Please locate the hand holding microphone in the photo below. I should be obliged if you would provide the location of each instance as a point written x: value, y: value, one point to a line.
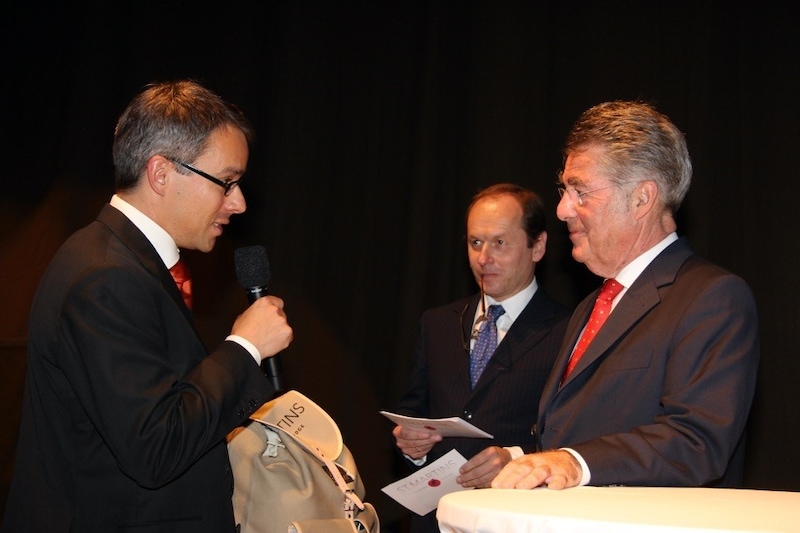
x: 264, y: 322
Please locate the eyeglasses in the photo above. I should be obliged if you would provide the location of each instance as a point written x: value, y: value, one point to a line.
x: 577, y: 197
x: 226, y: 185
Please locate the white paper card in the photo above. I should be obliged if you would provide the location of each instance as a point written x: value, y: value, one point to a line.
x: 446, y: 427
x: 420, y: 492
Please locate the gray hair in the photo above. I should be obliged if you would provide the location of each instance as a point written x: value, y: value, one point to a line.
x: 639, y: 143
x: 173, y: 119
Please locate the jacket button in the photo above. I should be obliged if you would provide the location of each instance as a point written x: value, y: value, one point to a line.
x: 468, y: 415
x: 534, y: 430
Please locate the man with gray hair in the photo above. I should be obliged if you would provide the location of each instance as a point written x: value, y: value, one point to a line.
x: 654, y: 386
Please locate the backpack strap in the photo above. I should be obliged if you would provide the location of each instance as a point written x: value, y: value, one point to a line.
x: 351, y: 499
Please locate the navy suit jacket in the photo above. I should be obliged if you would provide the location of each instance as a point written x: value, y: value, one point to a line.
x: 506, y: 398
x: 662, y: 394
x: 125, y: 412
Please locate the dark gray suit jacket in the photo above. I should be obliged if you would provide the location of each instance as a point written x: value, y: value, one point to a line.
x: 506, y: 398
x: 662, y: 395
x: 125, y: 412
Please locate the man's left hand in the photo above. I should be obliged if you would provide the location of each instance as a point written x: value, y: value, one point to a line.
x: 483, y: 467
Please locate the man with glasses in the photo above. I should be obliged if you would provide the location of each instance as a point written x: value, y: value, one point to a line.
x: 125, y: 411
x: 500, y: 391
x: 661, y: 393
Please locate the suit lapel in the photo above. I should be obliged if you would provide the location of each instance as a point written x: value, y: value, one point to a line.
x: 143, y: 250
x: 519, y: 340
x: 579, y: 318
x: 466, y: 315
x: 636, y: 302
x: 639, y: 299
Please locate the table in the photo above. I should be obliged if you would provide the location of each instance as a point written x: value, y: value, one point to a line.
x: 619, y: 510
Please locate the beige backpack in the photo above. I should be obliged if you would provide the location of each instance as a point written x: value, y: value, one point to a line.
x: 293, y: 473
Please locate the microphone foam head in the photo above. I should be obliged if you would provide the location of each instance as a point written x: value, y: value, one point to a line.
x: 252, y: 266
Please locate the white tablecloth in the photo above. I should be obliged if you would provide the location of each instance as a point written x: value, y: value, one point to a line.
x: 619, y: 510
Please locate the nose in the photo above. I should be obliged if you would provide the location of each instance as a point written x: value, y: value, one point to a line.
x: 235, y: 201
x: 485, y: 254
x: 565, y: 208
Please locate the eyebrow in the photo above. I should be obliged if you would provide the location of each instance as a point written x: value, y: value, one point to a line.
x: 572, y: 180
x: 231, y: 173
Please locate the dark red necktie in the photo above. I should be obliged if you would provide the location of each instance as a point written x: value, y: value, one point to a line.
x: 183, y: 279
x: 600, y: 312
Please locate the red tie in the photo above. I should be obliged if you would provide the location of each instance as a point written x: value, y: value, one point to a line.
x: 602, y: 308
x: 183, y: 279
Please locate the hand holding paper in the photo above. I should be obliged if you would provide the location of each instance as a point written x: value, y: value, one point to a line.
x: 413, y: 443
x: 420, y: 492
x: 446, y: 427
x: 481, y: 468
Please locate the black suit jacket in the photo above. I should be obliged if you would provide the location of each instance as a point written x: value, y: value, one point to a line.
x: 662, y: 394
x: 125, y: 412
x: 506, y: 398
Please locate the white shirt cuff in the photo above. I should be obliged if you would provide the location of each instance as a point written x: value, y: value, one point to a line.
x: 419, y: 462
x: 586, y: 476
x: 515, y: 451
x: 247, y: 345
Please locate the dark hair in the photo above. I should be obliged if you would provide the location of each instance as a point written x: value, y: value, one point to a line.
x: 640, y: 144
x: 534, y: 218
x: 173, y: 119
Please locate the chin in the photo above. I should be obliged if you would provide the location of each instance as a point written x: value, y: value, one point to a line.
x: 207, y: 247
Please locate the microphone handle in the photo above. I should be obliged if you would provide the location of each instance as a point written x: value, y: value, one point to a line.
x: 254, y: 293
x: 274, y: 371
x: 272, y: 365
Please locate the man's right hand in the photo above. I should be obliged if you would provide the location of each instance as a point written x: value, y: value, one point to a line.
x: 414, y: 444
x: 556, y: 469
x: 264, y: 324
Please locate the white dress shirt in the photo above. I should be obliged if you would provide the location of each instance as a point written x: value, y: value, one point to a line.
x: 169, y: 253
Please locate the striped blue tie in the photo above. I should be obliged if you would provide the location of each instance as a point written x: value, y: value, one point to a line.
x: 485, y: 343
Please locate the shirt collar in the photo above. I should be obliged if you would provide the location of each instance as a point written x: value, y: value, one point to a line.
x: 515, y: 304
x: 158, y: 236
x: 634, y: 269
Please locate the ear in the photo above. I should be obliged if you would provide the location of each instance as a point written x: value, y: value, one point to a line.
x: 644, y: 198
x: 157, y: 173
x: 539, y: 246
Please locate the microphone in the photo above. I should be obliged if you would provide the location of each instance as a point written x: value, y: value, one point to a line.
x: 252, y: 272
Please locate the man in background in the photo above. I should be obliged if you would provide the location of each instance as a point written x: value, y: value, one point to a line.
x: 661, y: 394
x: 125, y: 410
x: 498, y: 392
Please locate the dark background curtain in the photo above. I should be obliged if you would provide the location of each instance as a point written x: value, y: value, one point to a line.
x: 377, y: 122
